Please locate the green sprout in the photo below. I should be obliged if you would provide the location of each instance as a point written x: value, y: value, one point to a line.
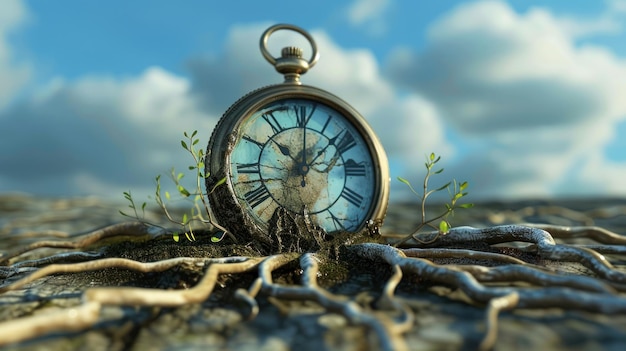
x: 199, y: 215
x: 456, y: 191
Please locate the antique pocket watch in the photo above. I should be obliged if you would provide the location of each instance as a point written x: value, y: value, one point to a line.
x: 296, y: 151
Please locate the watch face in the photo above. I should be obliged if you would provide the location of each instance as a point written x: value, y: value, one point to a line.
x: 303, y: 156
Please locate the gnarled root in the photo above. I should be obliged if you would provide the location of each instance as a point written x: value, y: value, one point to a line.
x: 85, y: 315
x: 565, y: 291
x: 504, y: 283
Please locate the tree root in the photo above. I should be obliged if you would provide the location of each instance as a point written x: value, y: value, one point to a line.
x: 127, y: 228
x: 506, y: 283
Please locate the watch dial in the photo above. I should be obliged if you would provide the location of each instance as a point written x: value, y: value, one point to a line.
x: 303, y: 155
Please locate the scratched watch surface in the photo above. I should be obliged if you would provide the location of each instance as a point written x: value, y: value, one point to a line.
x: 303, y: 156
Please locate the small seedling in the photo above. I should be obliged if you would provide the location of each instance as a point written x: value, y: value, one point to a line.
x: 199, y: 215
x: 456, y: 191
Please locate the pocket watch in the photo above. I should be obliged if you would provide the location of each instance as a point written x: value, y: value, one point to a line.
x: 297, y: 151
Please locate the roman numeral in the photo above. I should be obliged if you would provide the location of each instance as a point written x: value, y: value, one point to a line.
x: 245, y: 137
x: 257, y: 196
x: 301, y: 116
x: 354, y: 169
x: 248, y: 168
x: 271, y: 120
x: 352, y: 196
x: 325, y: 125
x: 345, y: 143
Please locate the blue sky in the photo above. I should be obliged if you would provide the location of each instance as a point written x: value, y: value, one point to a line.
x: 523, y: 99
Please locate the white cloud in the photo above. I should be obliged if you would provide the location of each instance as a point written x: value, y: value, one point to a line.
x: 14, y: 76
x: 98, y: 135
x: 101, y: 135
x: 534, y: 109
x: 369, y: 14
x: 610, y: 22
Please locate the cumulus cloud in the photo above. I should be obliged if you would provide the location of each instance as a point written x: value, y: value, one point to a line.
x: 98, y: 135
x: 102, y: 135
x: 534, y: 109
x: 14, y: 75
x: 531, y: 110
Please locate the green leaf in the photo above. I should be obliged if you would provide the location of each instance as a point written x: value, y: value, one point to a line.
x: 404, y: 181
x: 444, y: 226
x: 439, y: 171
x: 194, y: 133
x: 176, y: 237
x: 179, y: 177
x: 184, y: 144
x: 463, y: 186
x: 220, y: 182
x: 432, y: 156
x: 443, y: 187
x: 167, y: 195
x: 185, y: 218
x: 143, y: 206
x: 195, y: 142
x: 184, y: 192
x: 466, y: 205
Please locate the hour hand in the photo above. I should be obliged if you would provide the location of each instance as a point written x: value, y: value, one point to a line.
x: 283, y: 149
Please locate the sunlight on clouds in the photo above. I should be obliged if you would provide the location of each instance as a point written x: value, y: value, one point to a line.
x: 531, y: 108
x: 138, y: 120
x: 541, y: 104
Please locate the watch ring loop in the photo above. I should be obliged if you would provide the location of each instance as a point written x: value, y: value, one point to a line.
x: 266, y: 35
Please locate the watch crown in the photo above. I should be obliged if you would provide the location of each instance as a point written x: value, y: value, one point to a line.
x: 291, y: 64
x: 291, y: 51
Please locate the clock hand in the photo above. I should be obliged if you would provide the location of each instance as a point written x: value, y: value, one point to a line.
x: 283, y: 149
x: 303, y: 168
x: 304, y: 146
